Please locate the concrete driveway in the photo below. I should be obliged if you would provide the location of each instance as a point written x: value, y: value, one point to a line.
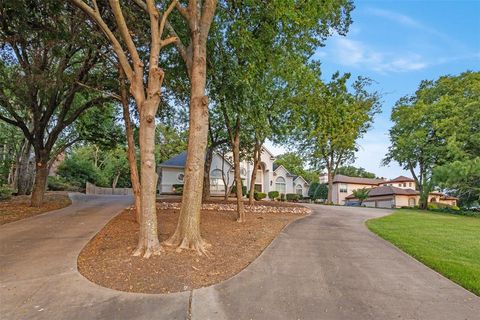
x: 325, y: 266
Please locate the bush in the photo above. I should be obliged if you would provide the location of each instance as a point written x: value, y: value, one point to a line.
x: 244, y: 190
x: 59, y: 184
x: 5, y: 192
x: 282, y: 196
x: 432, y: 206
x: 273, y: 195
x: 455, y: 208
x: 178, y: 188
x: 259, y: 195
x: 318, y: 191
x: 292, y: 197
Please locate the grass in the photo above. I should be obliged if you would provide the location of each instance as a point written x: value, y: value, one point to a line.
x: 447, y: 243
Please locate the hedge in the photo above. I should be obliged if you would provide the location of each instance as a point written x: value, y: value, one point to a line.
x: 259, y: 195
x: 273, y: 194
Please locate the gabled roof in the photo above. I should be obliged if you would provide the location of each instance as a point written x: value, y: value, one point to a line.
x: 177, y: 162
x: 269, y: 152
x: 387, y: 191
x: 339, y: 178
x: 400, y: 179
x: 295, y: 178
x: 180, y: 160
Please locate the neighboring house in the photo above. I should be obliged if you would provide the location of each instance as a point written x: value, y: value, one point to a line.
x: 270, y: 177
x: 345, y: 185
x: 396, y: 193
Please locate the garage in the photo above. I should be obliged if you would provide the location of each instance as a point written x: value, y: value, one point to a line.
x: 384, y: 203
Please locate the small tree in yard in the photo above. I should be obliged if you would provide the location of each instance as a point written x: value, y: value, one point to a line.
x: 333, y: 120
x: 361, y: 194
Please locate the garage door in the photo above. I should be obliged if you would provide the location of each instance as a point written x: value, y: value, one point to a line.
x: 384, y: 204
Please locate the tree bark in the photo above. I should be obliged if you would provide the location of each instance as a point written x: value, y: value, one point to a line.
x: 132, y: 158
x: 330, y: 186
x: 206, y: 177
x: 257, y: 152
x: 187, y: 234
x: 41, y: 175
x: 23, y: 176
x: 238, y: 178
x: 148, y: 243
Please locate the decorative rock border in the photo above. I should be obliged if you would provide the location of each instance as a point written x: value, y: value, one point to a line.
x: 233, y: 207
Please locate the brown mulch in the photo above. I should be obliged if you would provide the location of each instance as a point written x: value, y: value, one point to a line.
x: 18, y: 207
x: 107, y: 259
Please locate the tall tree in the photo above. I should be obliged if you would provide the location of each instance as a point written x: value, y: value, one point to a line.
x: 252, y: 39
x: 145, y: 89
x: 46, y: 73
x: 333, y: 120
x: 198, y: 17
x: 438, y: 124
x: 295, y: 164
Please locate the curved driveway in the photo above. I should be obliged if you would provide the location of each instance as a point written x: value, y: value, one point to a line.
x: 325, y: 266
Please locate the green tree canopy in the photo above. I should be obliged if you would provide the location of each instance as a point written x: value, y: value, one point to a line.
x: 440, y: 123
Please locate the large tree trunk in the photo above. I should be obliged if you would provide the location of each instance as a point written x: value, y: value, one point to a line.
x: 148, y: 242
x: 256, y: 160
x: 41, y: 175
x: 187, y: 234
x: 238, y: 178
x: 23, y: 176
x: 206, y: 177
x: 132, y: 158
x: 330, y: 186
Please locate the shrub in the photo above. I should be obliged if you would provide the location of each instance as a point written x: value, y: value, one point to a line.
x: 282, y: 196
x: 259, y: 195
x: 455, y: 208
x: 318, y: 191
x: 178, y: 188
x: 5, y: 192
x: 273, y: 195
x: 292, y: 197
x: 59, y: 184
x: 244, y: 190
x: 432, y: 206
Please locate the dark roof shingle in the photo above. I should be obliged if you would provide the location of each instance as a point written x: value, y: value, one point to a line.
x: 339, y: 178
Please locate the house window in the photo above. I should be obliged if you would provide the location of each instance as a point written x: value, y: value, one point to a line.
x: 280, y: 185
x: 343, y: 188
x: 216, y: 181
x: 299, y: 189
x: 180, y: 177
x: 410, y: 184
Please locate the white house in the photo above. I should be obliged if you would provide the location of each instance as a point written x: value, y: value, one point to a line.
x: 269, y: 178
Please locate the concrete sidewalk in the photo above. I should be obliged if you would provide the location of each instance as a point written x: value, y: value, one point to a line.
x: 325, y: 266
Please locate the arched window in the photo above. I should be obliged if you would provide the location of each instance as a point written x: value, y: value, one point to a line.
x: 280, y: 185
x: 216, y: 181
x: 433, y: 199
x: 299, y: 189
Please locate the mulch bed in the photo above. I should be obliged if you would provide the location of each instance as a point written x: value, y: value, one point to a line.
x: 18, y: 207
x: 107, y: 259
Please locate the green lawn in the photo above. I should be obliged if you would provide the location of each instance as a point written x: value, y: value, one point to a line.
x: 446, y: 243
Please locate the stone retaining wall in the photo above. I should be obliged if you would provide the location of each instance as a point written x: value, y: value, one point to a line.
x: 248, y: 208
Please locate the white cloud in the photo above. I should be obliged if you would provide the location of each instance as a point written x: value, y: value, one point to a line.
x: 355, y: 53
x: 396, y: 17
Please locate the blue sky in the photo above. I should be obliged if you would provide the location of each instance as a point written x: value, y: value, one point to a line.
x: 398, y: 44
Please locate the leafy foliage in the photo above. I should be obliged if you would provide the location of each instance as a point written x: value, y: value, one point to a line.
x: 352, y: 171
x: 259, y: 195
x: 295, y: 165
x: 318, y: 191
x: 273, y: 195
x: 5, y: 192
x: 437, y: 125
x: 361, y: 194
